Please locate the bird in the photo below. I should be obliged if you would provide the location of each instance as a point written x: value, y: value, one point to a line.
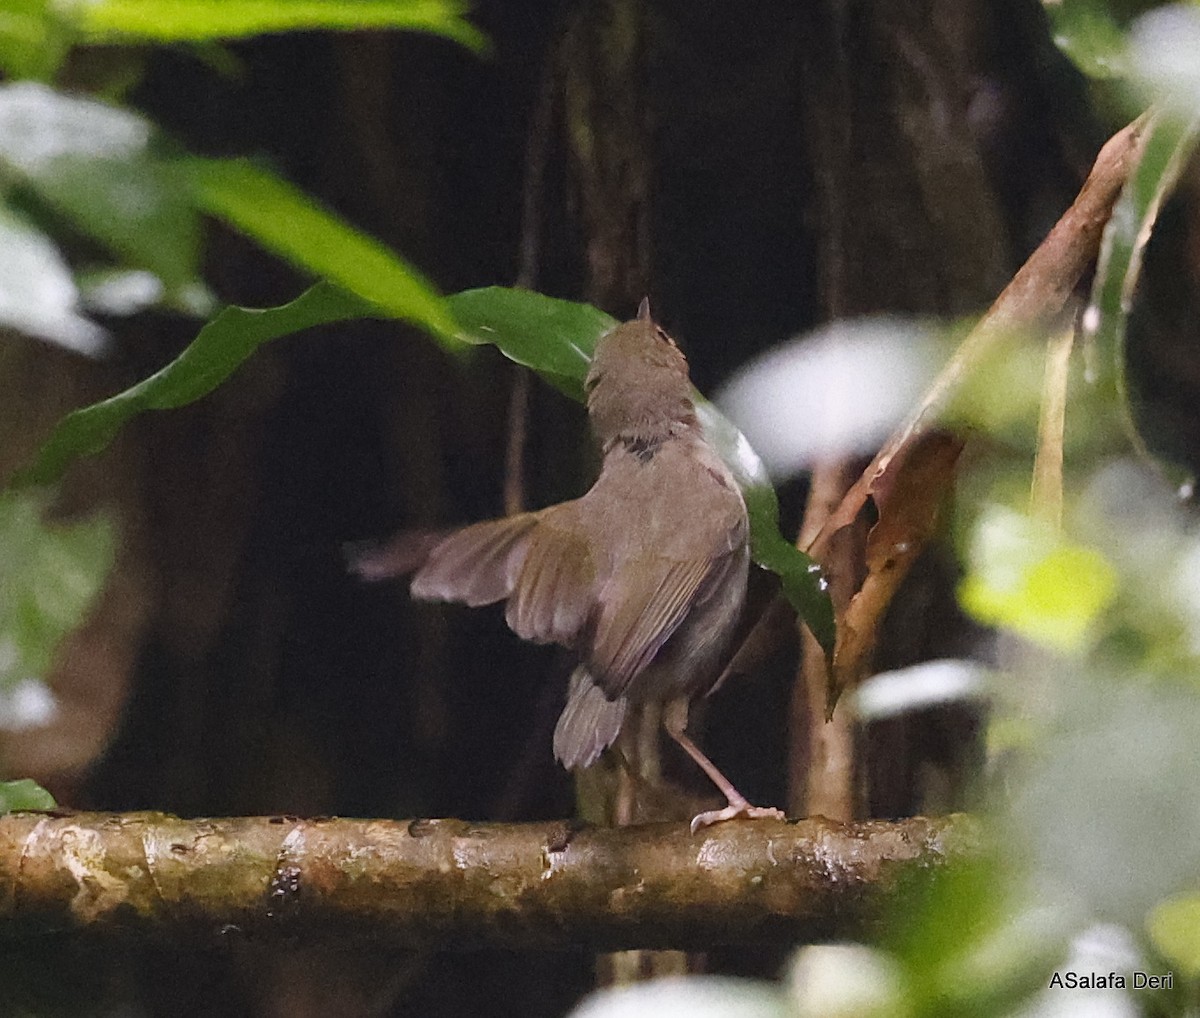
x: 643, y: 578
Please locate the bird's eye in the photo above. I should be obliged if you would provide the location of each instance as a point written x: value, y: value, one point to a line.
x: 661, y: 334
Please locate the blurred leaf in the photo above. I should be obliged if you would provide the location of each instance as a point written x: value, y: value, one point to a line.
x: 687, y: 997
x: 1086, y: 31
x: 24, y: 794
x: 48, y: 577
x: 37, y: 294
x: 1104, y: 809
x: 33, y: 42
x: 846, y: 981
x: 833, y: 393
x: 216, y: 352
x: 99, y: 166
x: 1174, y: 928
x: 183, y: 20
x: 291, y: 224
x: 1022, y: 576
x: 1168, y: 146
x: 26, y: 703
x: 121, y: 292
x: 967, y: 946
x: 1165, y: 57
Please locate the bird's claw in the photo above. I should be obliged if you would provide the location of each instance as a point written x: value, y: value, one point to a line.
x: 734, y: 811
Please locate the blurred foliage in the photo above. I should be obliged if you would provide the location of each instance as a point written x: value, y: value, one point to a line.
x: 48, y: 576
x: 24, y: 794
x: 76, y: 164
x: 1024, y: 577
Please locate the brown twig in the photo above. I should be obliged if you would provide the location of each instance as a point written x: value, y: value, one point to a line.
x: 821, y: 775
x: 1046, y: 490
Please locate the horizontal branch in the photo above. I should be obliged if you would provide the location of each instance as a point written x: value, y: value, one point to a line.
x: 449, y: 884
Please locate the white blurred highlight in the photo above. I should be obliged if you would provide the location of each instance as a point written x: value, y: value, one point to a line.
x: 1165, y: 48
x: 835, y: 392
x: 919, y: 687
x: 844, y: 981
x: 28, y: 703
x: 37, y: 292
x: 687, y: 997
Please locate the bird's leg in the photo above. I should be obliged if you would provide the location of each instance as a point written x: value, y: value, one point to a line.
x: 675, y: 721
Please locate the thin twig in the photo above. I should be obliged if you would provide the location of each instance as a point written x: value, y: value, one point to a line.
x: 1046, y: 490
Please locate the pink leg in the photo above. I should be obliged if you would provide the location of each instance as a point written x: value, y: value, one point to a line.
x: 738, y: 806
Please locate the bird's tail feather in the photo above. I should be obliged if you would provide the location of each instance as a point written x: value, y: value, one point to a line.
x: 589, y: 724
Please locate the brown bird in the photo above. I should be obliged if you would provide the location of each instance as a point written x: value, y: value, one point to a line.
x: 643, y: 577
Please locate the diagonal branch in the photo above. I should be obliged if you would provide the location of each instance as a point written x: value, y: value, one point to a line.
x: 449, y: 884
x: 1038, y: 292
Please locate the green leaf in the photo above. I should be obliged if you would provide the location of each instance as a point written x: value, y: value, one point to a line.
x: 1174, y: 928
x: 48, y: 577
x: 553, y: 337
x: 101, y: 168
x: 24, y: 794
x: 183, y: 20
x: 1169, y: 143
x: 1089, y: 35
x: 33, y: 42
x: 1023, y: 576
x: 219, y: 349
x: 292, y: 225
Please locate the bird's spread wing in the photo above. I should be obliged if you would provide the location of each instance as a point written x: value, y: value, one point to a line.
x: 477, y: 565
x: 630, y: 632
x: 554, y: 596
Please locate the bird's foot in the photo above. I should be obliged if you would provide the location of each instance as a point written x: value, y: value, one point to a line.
x: 735, y: 810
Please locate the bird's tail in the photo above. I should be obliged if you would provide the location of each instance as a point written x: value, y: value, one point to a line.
x: 589, y: 724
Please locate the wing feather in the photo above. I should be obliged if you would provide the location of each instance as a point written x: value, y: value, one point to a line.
x: 630, y: 633
x: 554, y: 596
x: 477, y: 565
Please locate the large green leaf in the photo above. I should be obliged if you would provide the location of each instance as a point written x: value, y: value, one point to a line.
x: 221, y: 346
x: 183, y: 20
x: 292, y: 225
x: 553, y: 337
x: 103, y: 169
